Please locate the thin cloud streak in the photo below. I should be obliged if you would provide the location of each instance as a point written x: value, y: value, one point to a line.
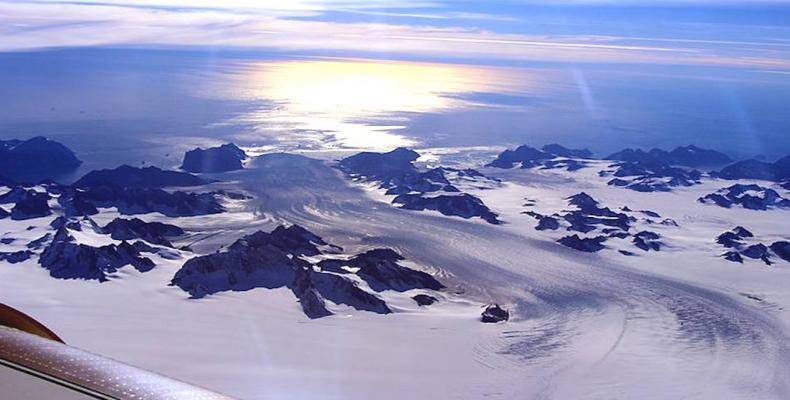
x: 435, y: 15
x: 545, y: 44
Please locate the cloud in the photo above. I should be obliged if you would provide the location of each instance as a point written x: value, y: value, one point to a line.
x: 269, y: 24
x: 290, y: 7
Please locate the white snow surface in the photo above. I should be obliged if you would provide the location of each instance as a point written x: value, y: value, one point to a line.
x: 679, y: 323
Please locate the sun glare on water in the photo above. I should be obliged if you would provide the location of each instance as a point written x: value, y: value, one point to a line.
x: 354, y: 104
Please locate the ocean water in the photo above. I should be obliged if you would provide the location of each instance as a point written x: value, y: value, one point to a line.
x: 117, y: 106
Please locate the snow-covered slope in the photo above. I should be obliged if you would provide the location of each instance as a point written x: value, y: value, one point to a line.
x: 680, y: 322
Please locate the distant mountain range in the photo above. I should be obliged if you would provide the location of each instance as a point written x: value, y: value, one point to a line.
x: 133, y: 177
x: 687, y: 156
x: 647, y: 171
x: 227, y: 157
x: 754, y: 169
x: 35, y: 159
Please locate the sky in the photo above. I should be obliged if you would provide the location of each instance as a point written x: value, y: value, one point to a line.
x: 682, y: 32
x: 369, y: 74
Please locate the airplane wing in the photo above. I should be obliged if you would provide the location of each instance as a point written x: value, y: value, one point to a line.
x: 35, y: 364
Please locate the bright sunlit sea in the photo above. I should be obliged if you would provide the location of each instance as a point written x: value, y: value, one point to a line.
x: 116, y: 106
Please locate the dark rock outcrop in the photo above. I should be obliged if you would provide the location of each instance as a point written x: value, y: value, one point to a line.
x: 567, y: 164
x: 616, y: 233
x: 734, y: 240
x: 381, y: 166
x: 462, y: 205
x: 39, y: 243
x: 493, y: 314
x: 415, y: 189
x: 132, y: 177
x: 311, y: 288
x: 76, y: 202
x: 639, y: 156
x: 546, y: 158
x: 547, y: 223
x: 755, y: 169
x: 227, y: 157
x: 66, y: 259
x: 17, y: 193
x: 742, y: 232
x: 291, y: 240
x: 433, y: 180
x: 753, y: 197
x: 589, y: 215
x: 134, y: 191
x: 35, y: 159
x: 693, y: 156
x: 525, y: 155
x: 131, y: 201
x: 757, y: 251
x: 16, y: 256
x: 583, y: 201
x: 152, y: 232
x: 380, y: 269
x: 589, y: 245
x: 586, y: 215
x: 650, y: 213
x: 313, y: 304
x: 650, y: 176
x: 656, y: 171
x: 781, y: 249
x: 733, y: 256
x: 69, y: 223
x: 562, y: 151
x: 688, y: 156
x: 32, y: 205
x: 729, y: 240
x: 647, y: 240
x: 243, y: 267
x: 340, y: 290
x: 232, y: 195
x: 277, y: 259
x: 424, y: 300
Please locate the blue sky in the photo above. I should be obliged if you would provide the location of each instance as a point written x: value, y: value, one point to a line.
x: 706, y: 33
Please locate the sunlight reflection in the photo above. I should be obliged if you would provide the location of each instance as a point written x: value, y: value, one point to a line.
x: 355, y: 104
